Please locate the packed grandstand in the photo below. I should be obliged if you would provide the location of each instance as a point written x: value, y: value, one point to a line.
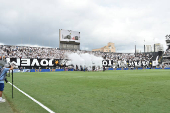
x: 9, y: 51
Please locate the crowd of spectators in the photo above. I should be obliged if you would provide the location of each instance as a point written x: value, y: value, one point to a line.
x: 54, y: 53
x: 8, y: 51
x: 30, y: 52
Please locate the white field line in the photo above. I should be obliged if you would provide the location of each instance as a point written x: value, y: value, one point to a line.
x: 46, y: 108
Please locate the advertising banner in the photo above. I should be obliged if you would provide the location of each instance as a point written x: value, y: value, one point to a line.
x: 22, y: 62
x: 25, y: 62
x: 109, y: 63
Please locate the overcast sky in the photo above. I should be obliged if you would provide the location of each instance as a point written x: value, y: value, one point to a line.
x: 37, y: 22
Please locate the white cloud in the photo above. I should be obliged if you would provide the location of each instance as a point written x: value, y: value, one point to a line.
x: 121, y: 22
x: 1, y: 43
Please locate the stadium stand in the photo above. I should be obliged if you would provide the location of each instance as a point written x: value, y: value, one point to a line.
x: 7, y: 51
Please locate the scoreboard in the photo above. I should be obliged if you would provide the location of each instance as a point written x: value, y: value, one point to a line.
x: 69, y: 39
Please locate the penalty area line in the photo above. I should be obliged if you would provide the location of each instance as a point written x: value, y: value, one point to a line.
x: 43, y: 106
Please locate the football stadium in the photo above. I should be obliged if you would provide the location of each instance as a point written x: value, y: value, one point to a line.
x: 84, y: 56
x: 70, y: 80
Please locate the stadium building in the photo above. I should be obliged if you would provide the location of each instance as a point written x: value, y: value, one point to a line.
x: 109, y: 48
x: 158, y: 47
x: 148, y: 48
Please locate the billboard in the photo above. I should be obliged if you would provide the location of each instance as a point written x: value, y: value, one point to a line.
x: 69, y: 36
x: 145, y: 64
x: 29, y: 63
x: 26, y: 62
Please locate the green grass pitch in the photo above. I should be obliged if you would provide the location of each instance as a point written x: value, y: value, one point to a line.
x: 124, y: 91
